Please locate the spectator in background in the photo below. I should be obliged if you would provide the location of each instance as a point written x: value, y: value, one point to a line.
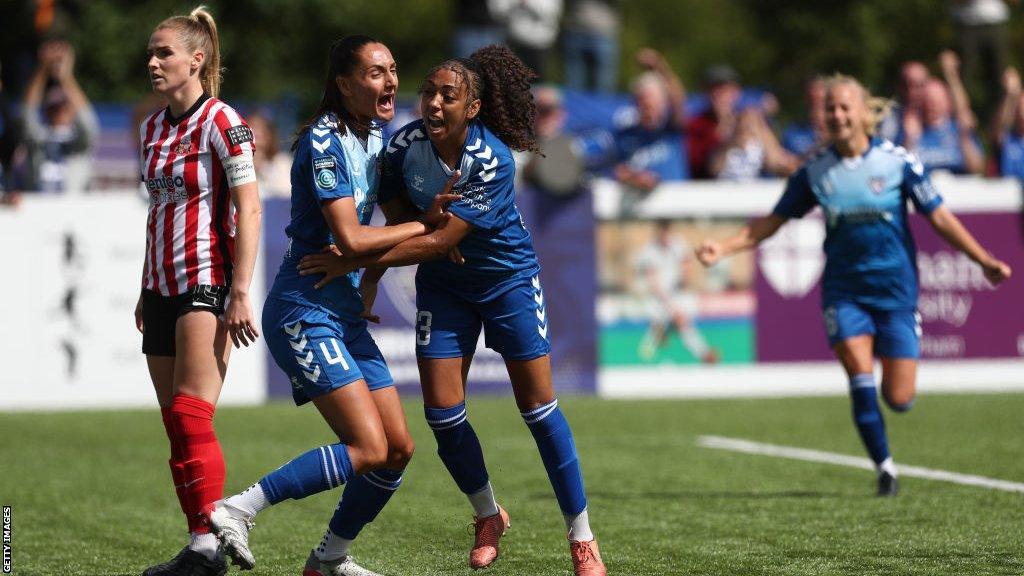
x: 653, y: 151
x: 945, y: 137
x: 981, y: 30
x: 803, y: 140
x: 751, y: 151
x: 1008, y: 126
x: 590, y: 43
x: 273, y: 167
x: 914, y: 76
x: 531, y: 29
x: 9, y: 141
x: 475, y: 27
x: 710, y: 129
x: 60, y: 126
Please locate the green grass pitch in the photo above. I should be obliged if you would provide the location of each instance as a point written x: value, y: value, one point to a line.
x: 91, y: 493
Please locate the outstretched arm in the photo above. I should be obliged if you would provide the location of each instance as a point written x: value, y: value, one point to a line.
x: 431, y: 246
x: 953, y: 232
x: 749, y: 237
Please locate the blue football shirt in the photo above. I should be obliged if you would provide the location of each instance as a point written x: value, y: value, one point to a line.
x: 869, y: 251
x: 327, y: 165
x: 499, y: 245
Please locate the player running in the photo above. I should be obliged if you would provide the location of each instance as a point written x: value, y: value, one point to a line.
x: 319, y: 337
x: 869, y: 290
x: 202, y: 236
x: 473, y: 110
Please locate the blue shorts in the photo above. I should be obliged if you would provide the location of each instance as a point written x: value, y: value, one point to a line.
x: 897, y: 332
x: 512, y: 313
x: 319, y: 352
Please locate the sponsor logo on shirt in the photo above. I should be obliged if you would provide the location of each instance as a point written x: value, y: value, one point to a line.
x: 323, y: 172
x: 238, y: 135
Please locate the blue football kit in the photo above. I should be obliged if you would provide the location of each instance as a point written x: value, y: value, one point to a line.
x: 498, y: 287
x: 317, y: 336
x: 870, y: 282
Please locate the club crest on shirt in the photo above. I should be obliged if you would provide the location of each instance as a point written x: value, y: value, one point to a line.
x: 877, y: 184
x: 183, y: 147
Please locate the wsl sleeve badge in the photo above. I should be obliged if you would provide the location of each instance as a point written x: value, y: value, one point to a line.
x: 324, y: 172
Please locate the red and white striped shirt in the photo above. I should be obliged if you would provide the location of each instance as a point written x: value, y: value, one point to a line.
x: 190, y: 232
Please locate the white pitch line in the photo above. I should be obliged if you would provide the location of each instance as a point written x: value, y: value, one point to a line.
x: 750, y: 447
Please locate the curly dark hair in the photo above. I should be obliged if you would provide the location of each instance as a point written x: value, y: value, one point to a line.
x: 501, y: 81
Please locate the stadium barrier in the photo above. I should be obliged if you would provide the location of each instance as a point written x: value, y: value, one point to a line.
x: 71, y: 271
x: 763, y: 312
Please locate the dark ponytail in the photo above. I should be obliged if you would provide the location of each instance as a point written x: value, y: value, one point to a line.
x: 501, y: 81
x: 342, y: 59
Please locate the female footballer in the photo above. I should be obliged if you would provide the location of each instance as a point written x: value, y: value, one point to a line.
x: 473, y: 111
x: 319, y: 338
x: 869, y: 287
x: 201, y: 241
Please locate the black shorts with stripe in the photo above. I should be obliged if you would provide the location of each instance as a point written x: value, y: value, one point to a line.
x: 160, y: 315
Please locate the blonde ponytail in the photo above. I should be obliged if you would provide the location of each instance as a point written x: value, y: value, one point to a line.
x: 198, y: 31
x: 877, y: 108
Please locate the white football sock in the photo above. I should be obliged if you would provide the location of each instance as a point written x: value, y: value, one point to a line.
x: 483, y: 502
x: 578, y: 526
x: 251, y: 501
x: 206, y: 544
x: 332, y: 547
x: 889, y: 466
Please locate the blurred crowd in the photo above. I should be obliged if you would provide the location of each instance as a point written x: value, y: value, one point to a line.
x: 961, y: 112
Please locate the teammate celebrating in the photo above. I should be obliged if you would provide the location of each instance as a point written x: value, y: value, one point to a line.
x: 473, y: 110
x: 869, y: 290
x: 319, y: 337
x: 201, y: 241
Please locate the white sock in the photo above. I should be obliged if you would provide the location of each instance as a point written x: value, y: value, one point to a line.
x: 483, y: 502
x: 251, y: 501
x: 578, y: 526
x: 206, y: 544
x: 889, y: 466
x: 332, y: 547
x: 694, y: 342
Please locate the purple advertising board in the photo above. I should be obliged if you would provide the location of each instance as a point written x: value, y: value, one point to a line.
x: 563, y: 232
x: 962, y: 315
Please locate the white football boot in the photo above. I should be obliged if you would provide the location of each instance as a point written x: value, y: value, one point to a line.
x: 344, y: 566
x: 232, y: 526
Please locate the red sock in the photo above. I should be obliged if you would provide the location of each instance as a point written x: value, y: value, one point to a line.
x: 175, y: 463
x: 202, y: 460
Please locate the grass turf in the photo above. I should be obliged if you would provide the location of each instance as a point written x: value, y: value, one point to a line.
x: 91, y: 492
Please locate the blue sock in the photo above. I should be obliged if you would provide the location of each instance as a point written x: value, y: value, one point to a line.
x: 319, y: 469
x: 458, y: 447
x: 558, y: 451
x: 364, y: 498
x: 868, y: 417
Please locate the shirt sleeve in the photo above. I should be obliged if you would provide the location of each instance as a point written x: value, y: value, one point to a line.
x: 231, y: 136
x: 798, y: 198
x: 328, y: 173
x: 918, y: 187
x: 487, y: 193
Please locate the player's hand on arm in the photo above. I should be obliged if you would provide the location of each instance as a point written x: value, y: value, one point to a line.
x: 956, y: 235
x: 329, y: 264
x: 438, y: 214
